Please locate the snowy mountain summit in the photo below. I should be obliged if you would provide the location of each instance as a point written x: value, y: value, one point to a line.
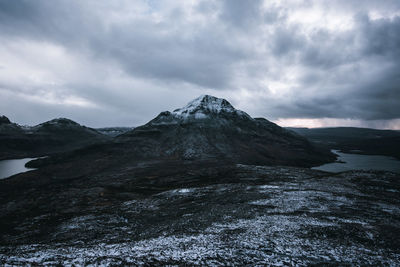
x: 206, y: 104
x: 204, y: 107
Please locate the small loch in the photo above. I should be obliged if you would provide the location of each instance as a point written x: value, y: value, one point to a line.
x: 11, y: 167
x: 349, y: 162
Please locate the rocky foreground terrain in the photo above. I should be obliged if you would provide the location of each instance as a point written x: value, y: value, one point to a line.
x: 203, y: 215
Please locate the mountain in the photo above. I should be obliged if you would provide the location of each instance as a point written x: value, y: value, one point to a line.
x: 53, y: 136
x: 209, y: 128
x: 65, y: 127
x: 355, y: 140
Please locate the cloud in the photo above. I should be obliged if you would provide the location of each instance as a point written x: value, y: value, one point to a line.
x: 132, y: 59
x: 242, y: 14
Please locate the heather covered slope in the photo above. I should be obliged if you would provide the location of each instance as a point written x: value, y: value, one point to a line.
x: 211, y: 128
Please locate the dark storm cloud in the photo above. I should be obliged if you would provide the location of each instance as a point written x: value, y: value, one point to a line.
x: 325, y: 49
x: 381, y: 37
x: 286, y: 41
x: 118, y: 55
x: 59, y: 20
x: 202, y: 61
x: 354, y: 74
x: 142, y: 47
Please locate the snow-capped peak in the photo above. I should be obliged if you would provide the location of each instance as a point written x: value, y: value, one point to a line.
x: 205, y: 104
x: 201, y: 108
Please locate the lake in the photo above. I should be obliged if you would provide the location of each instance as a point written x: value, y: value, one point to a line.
x: 13, y: 166
x: 361, y: 162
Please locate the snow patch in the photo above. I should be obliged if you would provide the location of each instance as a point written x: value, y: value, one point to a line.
x: 198, y: 108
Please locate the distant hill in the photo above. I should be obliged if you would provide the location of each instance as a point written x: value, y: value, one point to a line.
x: 355, y: 140
x: 53, y: 136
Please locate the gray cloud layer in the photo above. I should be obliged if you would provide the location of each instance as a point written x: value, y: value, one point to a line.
x: 121, y: 62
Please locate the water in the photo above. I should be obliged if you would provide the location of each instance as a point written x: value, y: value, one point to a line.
x: 13, y: 166
x: 361, y: 162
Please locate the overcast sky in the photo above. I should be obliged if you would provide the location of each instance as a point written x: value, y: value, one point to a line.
x: 120, y: 63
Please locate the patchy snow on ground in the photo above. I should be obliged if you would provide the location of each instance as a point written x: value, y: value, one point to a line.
x: 296, y: 220
x: 271, y: 240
